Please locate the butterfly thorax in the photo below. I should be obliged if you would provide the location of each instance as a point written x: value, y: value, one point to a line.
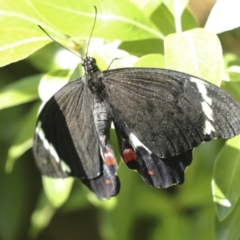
x: 100, y: 109
x: 93, y: 77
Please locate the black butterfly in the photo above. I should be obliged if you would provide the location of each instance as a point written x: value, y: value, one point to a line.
x: 159, y: 116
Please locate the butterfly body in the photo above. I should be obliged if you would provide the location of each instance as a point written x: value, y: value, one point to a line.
x: 159, y: 116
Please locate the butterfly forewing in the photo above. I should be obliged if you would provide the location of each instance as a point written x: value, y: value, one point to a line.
x: 168, y: 111
x: 66, y: 142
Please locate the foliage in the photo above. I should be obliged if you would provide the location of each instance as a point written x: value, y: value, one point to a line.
x: 153, y: 34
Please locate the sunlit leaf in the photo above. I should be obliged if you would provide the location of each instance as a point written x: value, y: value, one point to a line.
x: 143, y: 47
x: 197, y: 52
x: 119, y: 22
x: 21, y: 36
x: 147, y: 6
x: 57, y: 190
x: 52, y: 82
x: 110, y: 57
x: 151, y: 60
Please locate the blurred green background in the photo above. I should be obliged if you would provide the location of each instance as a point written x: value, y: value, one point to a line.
x: 167, y: 34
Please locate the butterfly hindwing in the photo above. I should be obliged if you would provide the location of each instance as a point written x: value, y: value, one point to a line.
x: 170, y: 112
x: 155, y: 171
x: 106, y: 185
x: 162, y: 172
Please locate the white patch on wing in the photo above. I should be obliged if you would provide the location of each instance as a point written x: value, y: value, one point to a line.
x: 202, y: 89
x: 53, y: 152
x: 206, y: 105
x: 208, y: 128
x: 41, y: 135
x: 48, y: 146
x: 65, y: 167
x: 207, y: 99
x: 200, y: 85
x: 207, y: 110
x: 135, y: 142
x: 38, y: 127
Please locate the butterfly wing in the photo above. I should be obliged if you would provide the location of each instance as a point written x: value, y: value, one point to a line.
x: 106, y: 185
x: 168, y: 111
x: 160, y: 115
x: 155, y: 171
x: 65, y: 133
x: 66, y: 142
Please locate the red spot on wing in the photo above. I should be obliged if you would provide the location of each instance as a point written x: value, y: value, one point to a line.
x: 109, y: 158
x: 108, y: 181
x: 150, y: 173
x: 129, y: 155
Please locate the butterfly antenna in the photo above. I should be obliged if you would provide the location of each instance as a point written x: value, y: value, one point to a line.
x: 58, y: 42
x: 94, y: 23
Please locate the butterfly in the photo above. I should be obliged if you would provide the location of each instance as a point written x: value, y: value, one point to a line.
x: 159, y: 116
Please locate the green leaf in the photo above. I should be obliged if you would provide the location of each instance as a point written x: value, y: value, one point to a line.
x: 143, y: 47
x: 52, y: 82
x: 232, y: 76
x: 20, y: 35
x: 234, y: 73
x: 176, y: 7
x: 19, y: 191
x: 21, y: 91
x: 227, y: 178
x: 41, y: 216
x: 188, y: 20
x: 148, y: 7
x: 166, y: 23
x: 23, y: 140
x: 233, y: 88
x: 193, y: 52
x: 151, y: 60
x: 19, y: 44
x: 110, y: 57
x: 230, y: 59
x: 76, y: 19
x: 15, y: 151
x: 57, y: 190
x: 53, y: 57
x: 229, y: 228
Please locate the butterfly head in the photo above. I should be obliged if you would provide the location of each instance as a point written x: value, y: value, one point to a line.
x: 90, y: 65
